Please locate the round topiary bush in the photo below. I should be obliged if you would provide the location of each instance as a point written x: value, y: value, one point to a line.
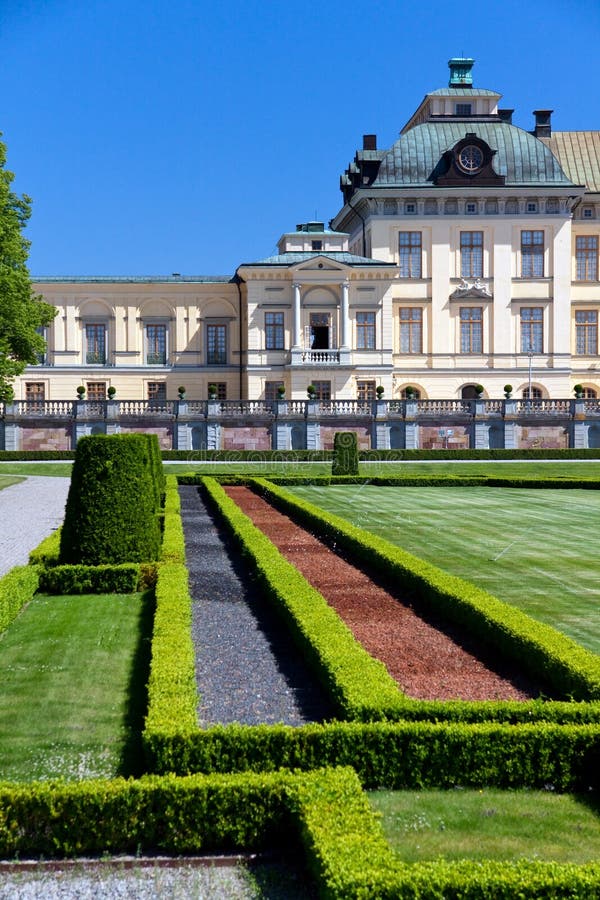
x: 112, y: 509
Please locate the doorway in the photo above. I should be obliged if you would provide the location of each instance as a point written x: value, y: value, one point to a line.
x: 320, y: 324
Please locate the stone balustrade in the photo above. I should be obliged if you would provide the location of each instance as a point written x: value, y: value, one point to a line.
x: 307, y: 424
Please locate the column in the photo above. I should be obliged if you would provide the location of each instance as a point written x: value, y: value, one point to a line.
x: 297, y: 343
x: 345, y: 345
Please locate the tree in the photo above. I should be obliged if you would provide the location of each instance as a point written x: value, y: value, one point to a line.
x: 22, y: 313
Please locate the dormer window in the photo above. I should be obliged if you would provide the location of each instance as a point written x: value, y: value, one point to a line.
x: 463, y: 109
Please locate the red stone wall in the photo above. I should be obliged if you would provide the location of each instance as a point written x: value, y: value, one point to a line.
x: 164, y: 434
x: 240, y: 438
x: 429, y: 438
x: 329, y: 431
x: 46, y: 438
x: 547, y: 437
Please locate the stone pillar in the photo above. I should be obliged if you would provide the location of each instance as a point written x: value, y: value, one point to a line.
x: 580, y: 439
x: 345, y: 316
x: 12, y: 436
x: 297, y: 335
x: 313, y: 427
x: 482, y: 427
x: 510, y: 425
x: 411, y: 430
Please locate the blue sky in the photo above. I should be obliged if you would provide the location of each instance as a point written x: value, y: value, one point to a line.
x: 186, y: 137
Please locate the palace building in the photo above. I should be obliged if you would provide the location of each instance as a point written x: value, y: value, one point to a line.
x: 464, y: 256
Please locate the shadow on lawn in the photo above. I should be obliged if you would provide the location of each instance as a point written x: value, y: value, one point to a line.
x: 132, y: 757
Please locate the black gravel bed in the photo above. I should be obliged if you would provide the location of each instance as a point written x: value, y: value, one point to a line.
x: 248, y: 669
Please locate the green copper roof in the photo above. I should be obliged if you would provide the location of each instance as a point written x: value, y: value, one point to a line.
x: 578, y: 152
x: 521, y: 158
x: 292, y: 258
x: 462, y: 92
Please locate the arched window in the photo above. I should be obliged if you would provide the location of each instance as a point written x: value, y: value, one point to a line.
x: 590, y: 394
x: 469, y: 392
x: 536, y: 393
x: 414, y: 395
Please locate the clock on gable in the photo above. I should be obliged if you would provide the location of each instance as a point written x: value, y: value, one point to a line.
x: 470, y: 160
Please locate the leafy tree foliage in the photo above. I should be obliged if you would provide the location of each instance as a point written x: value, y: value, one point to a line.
x: 22, y: 313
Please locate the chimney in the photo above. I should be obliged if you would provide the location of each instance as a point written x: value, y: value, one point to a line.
x: 543, y: 125
x: 505, y: 115
x: 369, y: 142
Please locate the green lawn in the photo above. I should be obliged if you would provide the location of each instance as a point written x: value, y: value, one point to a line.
x: 518, y: 469
x: 489, y: 824
x: 536, y: 549
x: 7, y: 480
x: 73, y: 671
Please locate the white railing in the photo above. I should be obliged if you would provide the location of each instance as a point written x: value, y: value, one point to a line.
x: 321, y: 357
x: 345, y: 408
x: 544, y: 407
x: 42, y: 407
x: 247, y: 408
x: 146, y: 407
x: 445, y: 407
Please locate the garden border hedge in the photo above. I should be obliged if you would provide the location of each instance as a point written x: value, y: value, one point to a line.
x: 326, y: 814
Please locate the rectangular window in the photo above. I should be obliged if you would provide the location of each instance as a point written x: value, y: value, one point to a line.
x: 216, y: 345
x: 220, y: 388
x: 586, y: 256
x: 532, y: 329
x: 366, y: 391
x: 411, y: 330
x: 471, y: 329
x: 42, y: 358
x: 586, y: 332
x: 322, y: 390
x: 532, y: 254
x: 274, y: 336
x: 365, y: 330
x: 462, y: 109
x: 35, y: 391
x: 471, y: 254
x: 157, y: 390
x: 156, y: 345
x: 95, y: 344
x: 410, y: 251
x: 271, y: 390
x: 96, y: 390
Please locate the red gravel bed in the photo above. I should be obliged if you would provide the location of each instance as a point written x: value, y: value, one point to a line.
x: 426, y: 661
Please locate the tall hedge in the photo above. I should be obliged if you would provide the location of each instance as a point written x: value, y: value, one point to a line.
x: 345, y: 453
x: 112, y: 507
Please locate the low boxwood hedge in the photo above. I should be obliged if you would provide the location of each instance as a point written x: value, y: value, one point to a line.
x: 173, y: 540
x: 172, y: 693
x: 17, y: 588
x: 120, y: 579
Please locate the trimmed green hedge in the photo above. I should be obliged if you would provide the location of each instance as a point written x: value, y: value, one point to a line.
x: 112, y: 508
x: 173, y: 542
x: 415, y: 481
x: 545, y: 653
x: 121, y: 579
x: 175, y: 815
x: 47, y: 552
x: 396, y: 754
x: 345, y: 453
x: 325, y: 814
x: 17, y: 588
x: 172, y: 693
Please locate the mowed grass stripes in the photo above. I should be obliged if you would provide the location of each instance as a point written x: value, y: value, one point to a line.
x: 536, y: 549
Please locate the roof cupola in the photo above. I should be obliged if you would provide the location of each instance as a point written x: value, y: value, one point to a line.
x: 460, y: 72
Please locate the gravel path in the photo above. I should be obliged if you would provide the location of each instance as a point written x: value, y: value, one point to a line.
x: 28, y: 512
x: 247, y: 668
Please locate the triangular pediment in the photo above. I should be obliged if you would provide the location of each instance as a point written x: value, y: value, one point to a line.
x: 321, y: 264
